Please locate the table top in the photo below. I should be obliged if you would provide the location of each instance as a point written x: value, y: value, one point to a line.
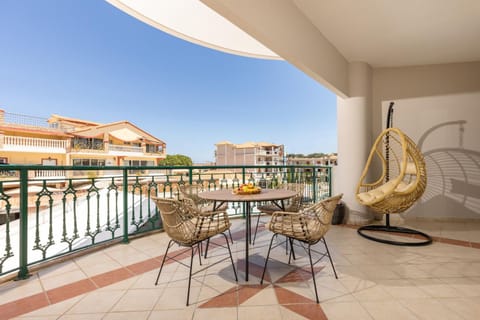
x: 265, y: 195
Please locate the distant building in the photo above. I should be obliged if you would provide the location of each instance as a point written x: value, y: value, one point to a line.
x: 249, y: 153
x: 327, y: 160
x: 67, y: 141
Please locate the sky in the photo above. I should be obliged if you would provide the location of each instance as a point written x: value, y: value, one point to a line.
x: 88, y: 60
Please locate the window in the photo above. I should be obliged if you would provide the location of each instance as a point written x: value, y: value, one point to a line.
x: 88, y: 143
x: 138, y: 163
x: 151, y: 148
x: 89, y: 162
x: 3, y: 160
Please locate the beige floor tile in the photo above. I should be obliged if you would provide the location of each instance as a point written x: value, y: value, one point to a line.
x: 259, y: 312
x: 56, y: 269
x: 137, y: 300
x: 265, y: 297
x: 85, y: 316
x: 468, y: 308
x: 58, y: 280
x: 90, y: 266
x: 125, y: 255
x: 390, y: 310
x: 376, y: 272
x: 403, y: 289
x: 176, y: 298
x: 14, y: 290
x: 353, y: 284
x: 430, y: 309
x: 97, y: 302
x: 37, y: 317
x: 147, y: 280
x: 468, y: 287
x: 287, y: 314
x: 345, y: 311
x: 215, y: 313
x: 471, y: 269
x: 208, y: 292
x: 436, y: 288
x: 177, y: 314
x: 376, y: 293
x: 135, y: 315
x: 409, y: 271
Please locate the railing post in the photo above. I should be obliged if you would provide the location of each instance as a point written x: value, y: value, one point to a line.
x: 23, y: 234
x: 125, y: 205
x: 314, y: 184
x: 244, y: 203
x: 190, y: 175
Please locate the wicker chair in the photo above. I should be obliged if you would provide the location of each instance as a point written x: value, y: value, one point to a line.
x: 191, y: 191
x: 188, y: 228
x: 204, y: 206
x: 402, y: 181
x: 294, y: 204
x: 308, y: 227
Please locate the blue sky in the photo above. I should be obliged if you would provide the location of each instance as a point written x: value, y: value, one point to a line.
x: 88, y: 60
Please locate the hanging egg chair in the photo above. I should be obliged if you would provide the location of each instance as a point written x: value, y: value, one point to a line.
x: 400, y: 178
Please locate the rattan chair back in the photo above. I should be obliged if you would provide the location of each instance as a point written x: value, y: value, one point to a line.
x: 309, y: 225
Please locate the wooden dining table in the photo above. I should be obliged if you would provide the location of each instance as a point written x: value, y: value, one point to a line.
x: 219, y: 197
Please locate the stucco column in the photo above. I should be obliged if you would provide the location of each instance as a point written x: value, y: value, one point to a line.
x: 354, y: 139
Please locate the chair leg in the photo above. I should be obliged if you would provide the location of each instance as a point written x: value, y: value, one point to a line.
x: 256, y: 228
x: 329, y: 257
x: 200, y: 252
x: 230, y: 234
x: 266, y: 260
x: 163, y: 260
x: 206, y: 248
x: 231, y: 257
x: 313, y: 273
x: 190, y: 274
x: 292, y: 252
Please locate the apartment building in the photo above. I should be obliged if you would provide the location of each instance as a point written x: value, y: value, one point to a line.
x: 60, y: 140
x: 327, y: 160
x: 250, y: 154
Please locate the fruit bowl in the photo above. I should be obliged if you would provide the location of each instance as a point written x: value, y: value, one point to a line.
x: 247, y: 189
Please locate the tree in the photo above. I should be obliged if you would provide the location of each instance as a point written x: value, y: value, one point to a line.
x: 176, y: 160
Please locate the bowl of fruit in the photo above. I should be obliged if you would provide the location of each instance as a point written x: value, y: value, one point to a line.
x: 247, y: 188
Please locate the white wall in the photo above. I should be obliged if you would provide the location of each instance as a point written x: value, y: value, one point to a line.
x: 439, y: 108
x: 447, y: 129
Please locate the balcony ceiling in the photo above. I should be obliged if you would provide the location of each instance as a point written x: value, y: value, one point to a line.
x: 399, y: 33
x: 322, y: 37
x: 386, y: 33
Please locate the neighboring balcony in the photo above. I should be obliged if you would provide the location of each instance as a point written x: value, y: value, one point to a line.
x: 115, y: 149
x: 121, y: 150
x: 26, y: 144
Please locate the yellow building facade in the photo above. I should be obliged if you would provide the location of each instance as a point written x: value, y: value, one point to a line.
x: 67, y: 141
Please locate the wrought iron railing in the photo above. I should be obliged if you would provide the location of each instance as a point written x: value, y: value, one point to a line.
x: 59, y: 216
